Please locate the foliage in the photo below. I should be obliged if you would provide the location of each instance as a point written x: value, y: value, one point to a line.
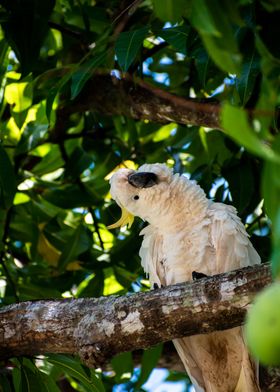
x: 54, y: 201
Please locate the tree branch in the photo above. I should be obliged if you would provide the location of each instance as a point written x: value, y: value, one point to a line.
x: 137, y: 99
x: 97, y: 329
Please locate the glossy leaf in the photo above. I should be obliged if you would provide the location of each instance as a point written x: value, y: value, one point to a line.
x: 54, y: 92
x: 236, y: 125
x: 31, y: 137
x: 84, y: 72
x: 169, y: 10
x: 74, y: 369
x: 249, y: 71
x: 128, y: 45
x: 226, y: 61
x: 148, y: 363
x: 122, y: 363
x: 203, y: 19
x: 77, y: 244
x: 176, y: 36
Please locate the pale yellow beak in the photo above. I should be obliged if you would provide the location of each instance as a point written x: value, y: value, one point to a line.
x: 126, y: 219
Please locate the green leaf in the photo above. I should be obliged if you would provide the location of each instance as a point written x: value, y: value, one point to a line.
x: 271, y: 185
x: 148, y: 363
x: 49, y: 163
x: 202, y: 61
x: 275, y: 259
x: 169, y: 10
x: 122, y: 363
x: 32, y: 135
x: 30, y: 379
x: 78, y: 161
x: 84, y: 72
x: 235, y: 124
x: 54, y: 92
x: 211, y: 20
x: 19, y: 95
x: 7, y: 180
x: 240, y: 177
x: 176, y: 37
x: 71, y: 196
x: 202, y: 18
x: 92, y: 287
x: 246, y: 81
x: 223, y: 58
x: 128, y: 45
x: 25, y: 28
x: 77, y: 244
x: 74, y: 369
x: 5, y: 384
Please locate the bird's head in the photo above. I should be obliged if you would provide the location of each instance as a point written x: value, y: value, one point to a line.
x: 144, y: 193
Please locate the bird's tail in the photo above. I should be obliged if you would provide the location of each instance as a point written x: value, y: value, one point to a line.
x: 219, y: 362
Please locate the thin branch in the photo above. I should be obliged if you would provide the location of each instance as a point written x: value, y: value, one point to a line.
x: 66, y: 30
x: 95, y: 223
x: 124, y: 17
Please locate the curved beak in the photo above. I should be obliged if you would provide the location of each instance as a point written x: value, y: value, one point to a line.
x: 142, y: 179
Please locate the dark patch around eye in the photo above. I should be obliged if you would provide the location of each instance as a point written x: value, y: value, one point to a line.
x: 136, y: 197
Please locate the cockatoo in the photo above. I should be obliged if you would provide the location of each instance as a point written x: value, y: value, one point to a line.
x: 188, y: 232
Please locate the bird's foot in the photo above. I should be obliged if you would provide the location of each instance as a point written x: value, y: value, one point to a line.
x: 156, y: 286
x: 198, y: 275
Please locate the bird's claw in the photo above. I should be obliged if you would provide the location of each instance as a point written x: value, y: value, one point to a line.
x: 198, y: 275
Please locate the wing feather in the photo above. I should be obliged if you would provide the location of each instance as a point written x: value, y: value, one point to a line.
x: 230, y: 240
x: 151, y: 253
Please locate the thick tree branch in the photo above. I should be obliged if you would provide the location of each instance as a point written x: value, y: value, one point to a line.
x: 109, y: 95
x: 97, y: 329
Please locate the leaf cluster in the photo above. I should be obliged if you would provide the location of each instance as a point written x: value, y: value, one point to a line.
x: 54, y: 169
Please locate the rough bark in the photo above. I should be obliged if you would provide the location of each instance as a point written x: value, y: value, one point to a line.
x: 97, y: 329
x: 110, y: 95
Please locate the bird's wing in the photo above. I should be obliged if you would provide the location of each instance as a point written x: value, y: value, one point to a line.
x: 219, y: 361
x: 230, y: 240
x: 151, y: 254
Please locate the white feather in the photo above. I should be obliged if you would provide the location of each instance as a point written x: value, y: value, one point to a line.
x: 187, y: 233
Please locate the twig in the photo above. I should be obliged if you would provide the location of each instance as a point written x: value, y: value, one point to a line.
x: 66, y: 30
x: 95, y: 223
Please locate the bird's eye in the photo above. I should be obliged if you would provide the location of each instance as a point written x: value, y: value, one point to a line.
x: 136, y: 197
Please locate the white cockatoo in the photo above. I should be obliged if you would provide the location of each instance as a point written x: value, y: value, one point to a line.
x: 188, y: 232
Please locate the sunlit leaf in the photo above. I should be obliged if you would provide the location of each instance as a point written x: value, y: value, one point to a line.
x: 235, y: 124
x: 19, y: 96
x: 21, y: 198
